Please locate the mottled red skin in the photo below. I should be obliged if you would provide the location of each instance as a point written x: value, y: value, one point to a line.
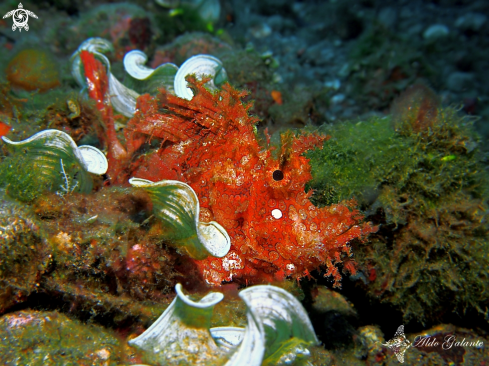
x: 210, y: 144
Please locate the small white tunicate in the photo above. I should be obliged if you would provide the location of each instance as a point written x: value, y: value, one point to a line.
x: 276, y: 213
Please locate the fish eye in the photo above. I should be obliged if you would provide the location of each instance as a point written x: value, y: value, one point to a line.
x: 278, y: 175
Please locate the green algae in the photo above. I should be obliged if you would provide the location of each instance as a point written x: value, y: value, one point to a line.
x: 26, y: 186
x: 287, y: 351
x: 30, y: 112
x: 344, y: 168
x: 173, y: 24
x: 427, y: 187
x: 51, y: 161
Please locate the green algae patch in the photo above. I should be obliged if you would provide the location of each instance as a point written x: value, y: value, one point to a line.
x: 362, y: 158
x: 51, y: 161
x: 20, y: 181
x: 420, y: 176
x: 33, y: 69
x: 50, y: 338
x: 345, y: 167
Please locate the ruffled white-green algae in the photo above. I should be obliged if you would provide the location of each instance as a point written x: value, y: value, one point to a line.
x: 181, y: 333
x: 200, y: 65
x: 278, y: 332
x: 53, y: 160
x: 176, y: 205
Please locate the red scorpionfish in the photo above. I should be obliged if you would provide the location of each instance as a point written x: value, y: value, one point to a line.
x: 257, y: 194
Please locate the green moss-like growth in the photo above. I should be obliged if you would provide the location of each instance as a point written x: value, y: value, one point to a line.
x: 50, y: 160
x: 343, y: 168
x: 420, y: 176
x: 22, y: 182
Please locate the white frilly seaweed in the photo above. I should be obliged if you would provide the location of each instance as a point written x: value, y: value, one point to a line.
x: 182, y: 333
x: 153, y: 79
x: 55, y: 157
x: 134, y: 63
x: 167, y: 75
x: 177, y: 206
x: 200, y: 65
x: 278, y: 331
